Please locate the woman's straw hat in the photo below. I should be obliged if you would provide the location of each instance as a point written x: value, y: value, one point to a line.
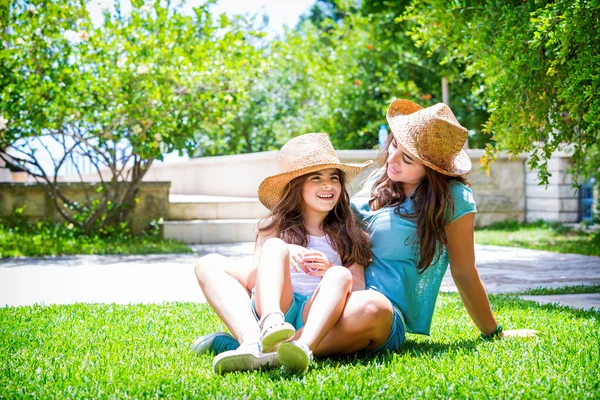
x: 299, y: 156
x: 432, y: 134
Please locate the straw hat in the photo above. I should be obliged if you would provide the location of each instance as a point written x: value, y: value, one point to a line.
x: 299, y: 156
x: 432, y: 134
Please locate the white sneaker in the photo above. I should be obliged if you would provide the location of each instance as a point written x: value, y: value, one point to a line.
x: 294, y: 356
x: 245, y: 358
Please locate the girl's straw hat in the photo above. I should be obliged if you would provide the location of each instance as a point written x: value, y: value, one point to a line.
x: 432, y: 134
x: 299, y: 156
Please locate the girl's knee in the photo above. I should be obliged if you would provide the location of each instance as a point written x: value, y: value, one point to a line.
x: 207, y: 264
x: 338, y: 275
x: 274, y: 244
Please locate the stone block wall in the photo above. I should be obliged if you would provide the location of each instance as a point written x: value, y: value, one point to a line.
x: 153, y: 204
x: 510, y: 191
x: 559, y: 201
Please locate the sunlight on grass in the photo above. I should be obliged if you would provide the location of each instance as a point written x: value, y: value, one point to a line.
x: 139, y: 351
x: 540, y: 235
x: 49, y: 239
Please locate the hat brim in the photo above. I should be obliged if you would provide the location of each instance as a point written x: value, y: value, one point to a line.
x: 272, y: 188
x: 459, y: 166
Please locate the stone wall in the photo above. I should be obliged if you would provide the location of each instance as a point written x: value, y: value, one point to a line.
x: 153, y: 204
x: 557, y: 202
x: 510, y: 191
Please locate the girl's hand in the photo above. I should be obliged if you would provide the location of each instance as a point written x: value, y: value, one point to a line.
x: 315, y: 262
x: 296, y: 254
x: 510, y: 333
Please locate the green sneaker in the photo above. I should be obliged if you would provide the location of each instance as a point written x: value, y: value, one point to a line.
x: 294, y: 357
x: 217, y: 343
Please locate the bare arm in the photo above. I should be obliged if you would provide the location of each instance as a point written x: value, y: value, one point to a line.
x: 358, y: 277
x: 461, y: 251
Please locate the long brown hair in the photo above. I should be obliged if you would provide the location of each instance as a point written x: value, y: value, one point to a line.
x: 433, y: 207
x: 340, y: 225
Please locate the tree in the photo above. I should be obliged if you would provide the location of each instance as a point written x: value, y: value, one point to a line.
x: 534, y: 64
x: 120, y: 94
x: 348, y: 60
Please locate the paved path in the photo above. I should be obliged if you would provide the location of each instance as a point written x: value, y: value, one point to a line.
x: 165, y: 278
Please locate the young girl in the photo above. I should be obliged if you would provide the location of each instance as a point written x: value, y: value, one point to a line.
x: 311, y: 219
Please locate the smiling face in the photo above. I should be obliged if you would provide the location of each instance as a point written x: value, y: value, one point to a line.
x: 321, y: 190
x: 403, y: 167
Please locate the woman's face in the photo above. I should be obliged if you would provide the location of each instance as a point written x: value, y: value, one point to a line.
x: 402, y: 167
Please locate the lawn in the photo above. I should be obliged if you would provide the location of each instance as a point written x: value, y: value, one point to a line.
x: 540, y: 235
x: 142, y: 351
x: 43, y: 239
x: 50, y: 239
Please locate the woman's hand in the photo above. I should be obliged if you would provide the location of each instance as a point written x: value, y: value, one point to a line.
x: 510, y: 333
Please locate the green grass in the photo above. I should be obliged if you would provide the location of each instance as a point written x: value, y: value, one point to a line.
x: 143, y: 351
x: 540, y: 235
x: 49, y: 239
x: 578, y: 289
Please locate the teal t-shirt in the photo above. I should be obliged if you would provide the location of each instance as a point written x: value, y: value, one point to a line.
x: 394, y: 269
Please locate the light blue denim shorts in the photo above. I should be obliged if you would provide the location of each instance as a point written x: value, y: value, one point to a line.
x: 396, y: 337
x: 294, y: 313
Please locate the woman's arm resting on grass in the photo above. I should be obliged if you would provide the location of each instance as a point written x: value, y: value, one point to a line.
x: 461, y: 251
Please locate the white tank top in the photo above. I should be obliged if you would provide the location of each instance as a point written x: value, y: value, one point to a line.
x: 306, y: 284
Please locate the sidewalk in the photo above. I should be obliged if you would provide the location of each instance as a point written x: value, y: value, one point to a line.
x: 170, y: 277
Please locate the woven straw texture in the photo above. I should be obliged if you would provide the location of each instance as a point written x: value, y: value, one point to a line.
x: 299, y: 156
x: 433, y: 135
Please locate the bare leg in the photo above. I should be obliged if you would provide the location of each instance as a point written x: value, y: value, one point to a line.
x: 326, y: 306
x: 223, y: 283
x: 274, y: 293
x: 365, y: 324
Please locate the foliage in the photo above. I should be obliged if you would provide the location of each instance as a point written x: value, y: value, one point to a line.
x: 540, y: 235
x: 22, y: 239
x: 119, y: 95
x: 143, y: 351
x: 534, y: 64
x: 345, y: 63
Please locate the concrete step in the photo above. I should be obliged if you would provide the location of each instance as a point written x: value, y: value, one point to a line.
x: 206, y: 231
x: 184, y: 207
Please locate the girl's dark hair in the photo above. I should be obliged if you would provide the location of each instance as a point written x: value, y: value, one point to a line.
x: 352, y: 244
x: 433, y: 207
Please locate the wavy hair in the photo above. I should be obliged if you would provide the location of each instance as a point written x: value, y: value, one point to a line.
x: 433, y: 207
x: 352, y: 244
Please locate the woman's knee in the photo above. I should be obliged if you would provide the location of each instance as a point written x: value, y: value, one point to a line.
x: 371, y: 308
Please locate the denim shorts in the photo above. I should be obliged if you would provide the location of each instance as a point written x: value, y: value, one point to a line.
x: 294, y: 313
x: 396, y: 337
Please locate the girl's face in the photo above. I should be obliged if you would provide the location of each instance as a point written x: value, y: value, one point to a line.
x: 321, y: 190
x: 402, y: 167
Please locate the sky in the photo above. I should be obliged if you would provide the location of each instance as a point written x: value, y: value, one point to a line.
x: 280, y: 13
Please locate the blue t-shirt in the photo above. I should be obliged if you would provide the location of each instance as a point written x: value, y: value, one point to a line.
x: 394, y: 269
